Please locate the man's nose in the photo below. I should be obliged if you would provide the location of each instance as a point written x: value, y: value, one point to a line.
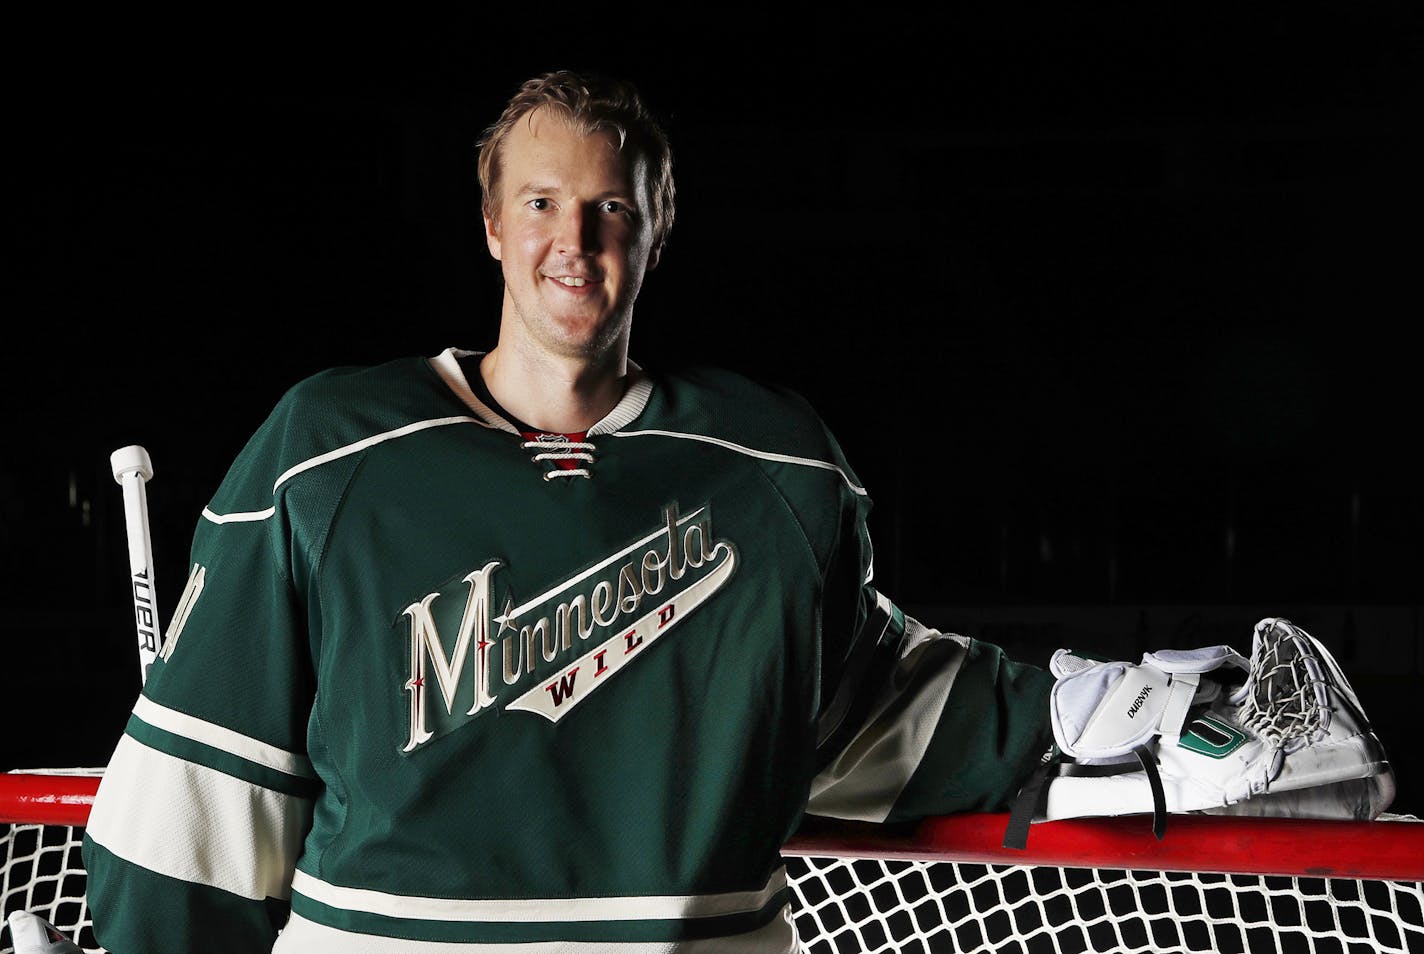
x: 578, y: 230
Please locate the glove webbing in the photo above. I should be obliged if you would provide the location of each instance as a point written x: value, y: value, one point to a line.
x: 1031, y: 796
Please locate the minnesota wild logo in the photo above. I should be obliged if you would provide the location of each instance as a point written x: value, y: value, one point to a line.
x: 548, y: 654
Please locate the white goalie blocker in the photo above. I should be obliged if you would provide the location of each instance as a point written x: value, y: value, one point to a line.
x: 1206, y: 730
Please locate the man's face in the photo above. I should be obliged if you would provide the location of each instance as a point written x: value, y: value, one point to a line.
x: 573, y: 236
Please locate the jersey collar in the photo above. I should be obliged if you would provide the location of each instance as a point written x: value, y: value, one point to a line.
x: 635, y: 397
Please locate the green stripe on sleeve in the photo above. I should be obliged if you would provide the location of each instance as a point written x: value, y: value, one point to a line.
x: 137, y: 911
x: 219, y: 760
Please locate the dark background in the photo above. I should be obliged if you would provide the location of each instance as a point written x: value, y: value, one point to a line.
x: 1113, y: 311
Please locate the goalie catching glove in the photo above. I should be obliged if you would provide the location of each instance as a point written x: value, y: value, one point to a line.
x: 1204, y: 730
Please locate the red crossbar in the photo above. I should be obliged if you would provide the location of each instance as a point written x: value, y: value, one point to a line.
x: 46, y: 799
x: 1378, y: 850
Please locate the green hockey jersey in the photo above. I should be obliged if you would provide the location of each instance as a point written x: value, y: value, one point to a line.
x: 434, y: 685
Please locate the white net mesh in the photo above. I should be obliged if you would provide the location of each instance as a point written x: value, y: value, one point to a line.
x: 910, y: 907
x: 43, y: 874
x: 873, y: 907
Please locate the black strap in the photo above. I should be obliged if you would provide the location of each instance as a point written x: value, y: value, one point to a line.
x: 1026, y: 804
x: 1159, y: 798
x: 1031, y: 797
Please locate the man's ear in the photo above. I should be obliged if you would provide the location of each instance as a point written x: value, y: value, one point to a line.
x: 492, y: 238
x: 654, y: 257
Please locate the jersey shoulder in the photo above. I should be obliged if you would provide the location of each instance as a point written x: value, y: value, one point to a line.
x: 329, y: 412
x: 356, y: 399
x: 776, y: 430
x: 726, y: 405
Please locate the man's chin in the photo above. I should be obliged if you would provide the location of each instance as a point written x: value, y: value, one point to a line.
x: 588, y: 346
x: 588, y: 336
x: 583, y: 333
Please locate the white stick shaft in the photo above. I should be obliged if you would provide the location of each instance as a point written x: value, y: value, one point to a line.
x: 132, y: 477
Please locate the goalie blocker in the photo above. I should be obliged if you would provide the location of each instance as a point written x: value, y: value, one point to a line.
x: 1206, y: 730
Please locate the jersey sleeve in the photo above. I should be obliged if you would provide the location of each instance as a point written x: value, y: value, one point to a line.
x: 205, y: 803
x: 934, y: 724
x: 915, y: 722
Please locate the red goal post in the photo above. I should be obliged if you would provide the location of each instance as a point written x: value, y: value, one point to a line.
x: 1388, y: 850
x: 948, y: 884
x: 42, y: 798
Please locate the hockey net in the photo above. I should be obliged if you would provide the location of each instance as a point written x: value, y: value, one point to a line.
x: 1212, y: 884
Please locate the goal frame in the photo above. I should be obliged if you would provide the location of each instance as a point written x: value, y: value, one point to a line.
x: 1390, y: 849
x: 1386, y: 850
x: 43, y: 798
x: 1248, y: 849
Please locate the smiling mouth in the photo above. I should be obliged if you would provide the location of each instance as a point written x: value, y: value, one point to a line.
x: 569, y: 281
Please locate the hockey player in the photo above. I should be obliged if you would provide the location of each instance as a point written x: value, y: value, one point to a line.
x: 535, y: 650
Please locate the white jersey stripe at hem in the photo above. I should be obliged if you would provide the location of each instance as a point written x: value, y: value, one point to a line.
x: 302, y: 936
x: 538, y: 910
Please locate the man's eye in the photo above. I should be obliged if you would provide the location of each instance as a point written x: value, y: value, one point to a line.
x: 614, y: 206
x: 540, y: 205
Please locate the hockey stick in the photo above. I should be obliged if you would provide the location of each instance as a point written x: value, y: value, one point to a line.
x: 132, y: 469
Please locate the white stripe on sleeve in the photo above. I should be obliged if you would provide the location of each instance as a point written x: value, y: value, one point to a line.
x: 233, y: 743
x: 195, y: 824
x: 867, y: 777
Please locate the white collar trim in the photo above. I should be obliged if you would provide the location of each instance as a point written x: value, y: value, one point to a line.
x: 634, y: 400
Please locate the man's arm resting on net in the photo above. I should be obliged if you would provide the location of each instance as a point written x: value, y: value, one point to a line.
x: 927, y: 723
